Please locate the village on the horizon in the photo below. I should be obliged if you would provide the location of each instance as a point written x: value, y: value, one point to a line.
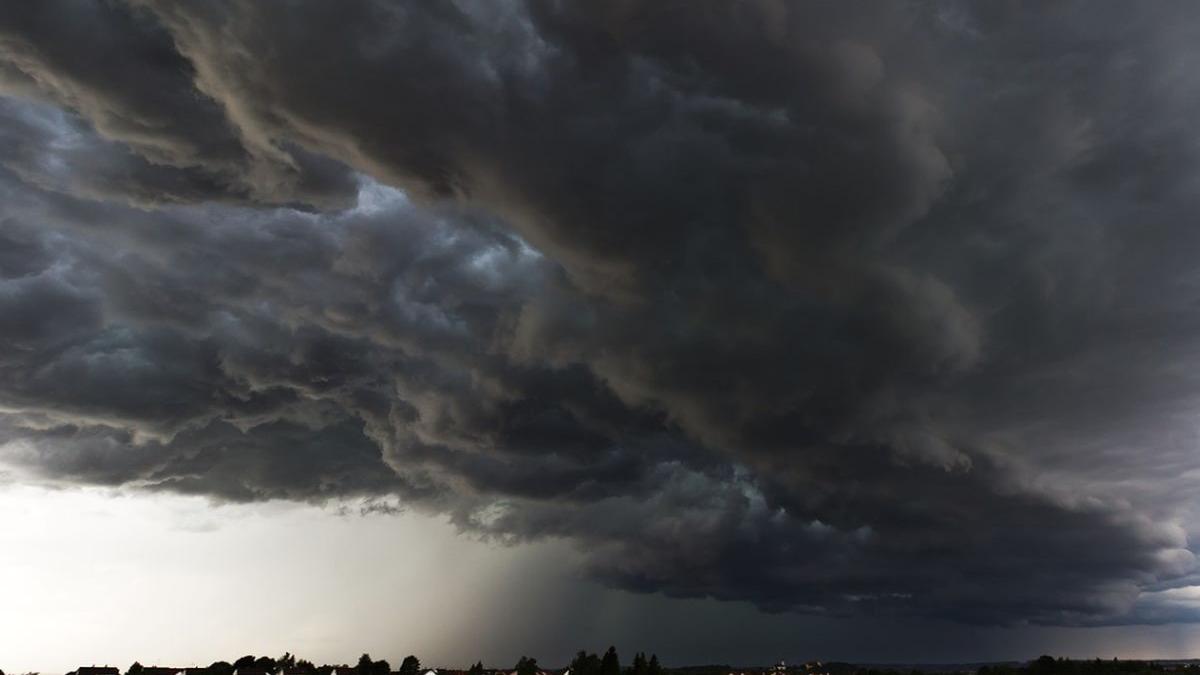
x: 591, y: 665
x: 583, y: 664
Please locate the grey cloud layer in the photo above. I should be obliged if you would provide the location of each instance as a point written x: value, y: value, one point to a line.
x: 832, y: 310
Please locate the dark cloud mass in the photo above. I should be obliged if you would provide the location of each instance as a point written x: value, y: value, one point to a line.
x: 836, y: 308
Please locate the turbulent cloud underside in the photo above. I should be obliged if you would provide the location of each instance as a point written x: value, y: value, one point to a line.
x: 837, y: 308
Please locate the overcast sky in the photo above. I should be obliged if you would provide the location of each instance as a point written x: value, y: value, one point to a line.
x: 734, y: 331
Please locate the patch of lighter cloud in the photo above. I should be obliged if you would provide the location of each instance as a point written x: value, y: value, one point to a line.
x: 755, y: 499
x: 527, y: 251
x: 490, y: 515
x: 64, y: 137
x: 375, y: 197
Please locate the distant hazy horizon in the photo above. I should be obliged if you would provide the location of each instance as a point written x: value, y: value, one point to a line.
x: 81, y: 556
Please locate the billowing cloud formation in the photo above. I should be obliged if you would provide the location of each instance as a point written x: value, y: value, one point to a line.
x: 836, y: 309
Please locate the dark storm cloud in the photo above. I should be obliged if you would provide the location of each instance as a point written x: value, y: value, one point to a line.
x: 160, y: 138
x: 831, y: 308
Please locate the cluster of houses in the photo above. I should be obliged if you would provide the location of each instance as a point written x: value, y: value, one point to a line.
x: 782, y: 668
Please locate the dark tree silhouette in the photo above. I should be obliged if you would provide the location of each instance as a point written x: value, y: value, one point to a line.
x: 134, y: 669
x: 220, y: 668
x: 1044, y: 662
x: 411, y: 665
x: 527, y: 666
x: 585, y: 664
x: 610, y: 664
x: 639, y: 665
x: 476, y: 669
x: 246, y: 661
x: 368, y: 667
x: 654, y: 668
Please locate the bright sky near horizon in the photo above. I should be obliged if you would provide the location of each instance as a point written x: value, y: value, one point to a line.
x: 92, y: 575
x: 87, y: 575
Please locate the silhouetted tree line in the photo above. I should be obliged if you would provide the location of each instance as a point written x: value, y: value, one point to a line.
x: 411, y: 665
x: 1048, y: 665
x: 586, y: 663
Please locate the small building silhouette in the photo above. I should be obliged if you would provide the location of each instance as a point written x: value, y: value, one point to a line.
x: 97, y: 670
